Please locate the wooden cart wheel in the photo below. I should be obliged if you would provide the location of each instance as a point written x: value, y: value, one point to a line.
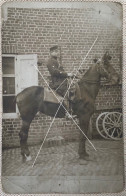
x: 112, y: 125
x: 99, y: 125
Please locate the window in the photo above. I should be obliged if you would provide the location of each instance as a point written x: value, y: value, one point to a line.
x: 8, y: 67
x: 18, y: 73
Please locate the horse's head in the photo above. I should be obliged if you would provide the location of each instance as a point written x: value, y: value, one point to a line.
x: 106, y: 69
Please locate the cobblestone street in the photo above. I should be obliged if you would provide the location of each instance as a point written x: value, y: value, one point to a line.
x: 63, y: 161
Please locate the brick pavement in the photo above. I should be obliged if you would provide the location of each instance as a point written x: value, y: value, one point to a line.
x: 64, y: 161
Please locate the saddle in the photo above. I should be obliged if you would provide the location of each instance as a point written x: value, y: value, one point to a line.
x: 53, y: 97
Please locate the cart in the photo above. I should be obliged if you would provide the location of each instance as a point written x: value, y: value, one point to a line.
x: 110, y: 126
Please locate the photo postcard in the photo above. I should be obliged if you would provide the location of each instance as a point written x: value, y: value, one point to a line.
x: 62, y: 100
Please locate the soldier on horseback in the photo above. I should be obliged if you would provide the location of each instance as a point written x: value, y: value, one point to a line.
x: 59, y: 78
x: 31, y: 100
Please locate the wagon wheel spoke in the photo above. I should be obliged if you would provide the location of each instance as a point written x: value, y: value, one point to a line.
x: 109, y: 129
x: 120, y: 131
x: 110, y: 119
x: 114, y: 117
x: 119, y: 117
x: 107, y: 125
x: 113, y: 132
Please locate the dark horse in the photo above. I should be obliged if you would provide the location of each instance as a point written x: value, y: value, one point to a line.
x: 30, y: 101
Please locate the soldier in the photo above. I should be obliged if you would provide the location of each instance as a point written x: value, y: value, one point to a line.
x: 58, y: 75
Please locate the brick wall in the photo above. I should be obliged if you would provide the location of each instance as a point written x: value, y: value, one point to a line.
x: 34, y: 31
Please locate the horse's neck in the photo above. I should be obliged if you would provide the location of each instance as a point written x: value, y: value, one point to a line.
x: 90, y: 82
x: 92, y: 74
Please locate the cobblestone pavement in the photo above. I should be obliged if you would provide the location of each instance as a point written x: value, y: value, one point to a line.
x: 64, y: 161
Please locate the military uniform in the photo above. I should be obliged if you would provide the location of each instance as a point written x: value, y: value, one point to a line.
x: 58, y: 75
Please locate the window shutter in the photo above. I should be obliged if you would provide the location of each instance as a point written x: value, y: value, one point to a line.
x: 26, y: 74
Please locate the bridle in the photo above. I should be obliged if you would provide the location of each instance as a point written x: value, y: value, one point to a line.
x: 100, y: 68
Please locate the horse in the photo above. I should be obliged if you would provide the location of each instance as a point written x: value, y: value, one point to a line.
x: 31, y: 100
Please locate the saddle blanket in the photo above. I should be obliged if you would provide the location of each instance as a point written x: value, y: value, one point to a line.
x: 51, y: 96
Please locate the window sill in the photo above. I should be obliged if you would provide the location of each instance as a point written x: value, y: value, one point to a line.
x: 10, y: 115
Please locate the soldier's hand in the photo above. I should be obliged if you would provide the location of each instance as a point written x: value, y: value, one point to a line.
x: 70, y: 74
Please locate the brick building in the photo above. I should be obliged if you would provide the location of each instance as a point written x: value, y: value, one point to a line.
x: 32, y: 30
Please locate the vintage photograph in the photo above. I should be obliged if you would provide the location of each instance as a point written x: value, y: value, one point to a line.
x: 62, y: 120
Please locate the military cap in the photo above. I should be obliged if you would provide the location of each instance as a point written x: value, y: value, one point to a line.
x: 96, y: 59
x: 53, y: 48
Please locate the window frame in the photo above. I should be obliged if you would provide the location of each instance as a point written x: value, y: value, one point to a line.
x: 15, y: 114
x: 18, y: 58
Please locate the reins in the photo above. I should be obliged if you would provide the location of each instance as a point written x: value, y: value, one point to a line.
x: 99, y: 68
x: 91, y: 81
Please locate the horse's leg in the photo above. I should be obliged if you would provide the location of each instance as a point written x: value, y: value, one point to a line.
x: 23, y: 141
x: 84, y: 123
x: 28, y: 102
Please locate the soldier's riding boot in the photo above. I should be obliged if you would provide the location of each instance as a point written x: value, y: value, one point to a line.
x: 78, y: 92
x: 66, y: 104
x: 69, y: 114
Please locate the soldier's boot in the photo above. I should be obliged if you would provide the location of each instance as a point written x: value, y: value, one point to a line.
x: 69, y: 114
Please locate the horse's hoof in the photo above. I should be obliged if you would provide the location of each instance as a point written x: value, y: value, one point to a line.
x: 83, y: 162
x: 28, y: 158
x: 83, y: 155
x: 86, y: 158
x: 23, y: 159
